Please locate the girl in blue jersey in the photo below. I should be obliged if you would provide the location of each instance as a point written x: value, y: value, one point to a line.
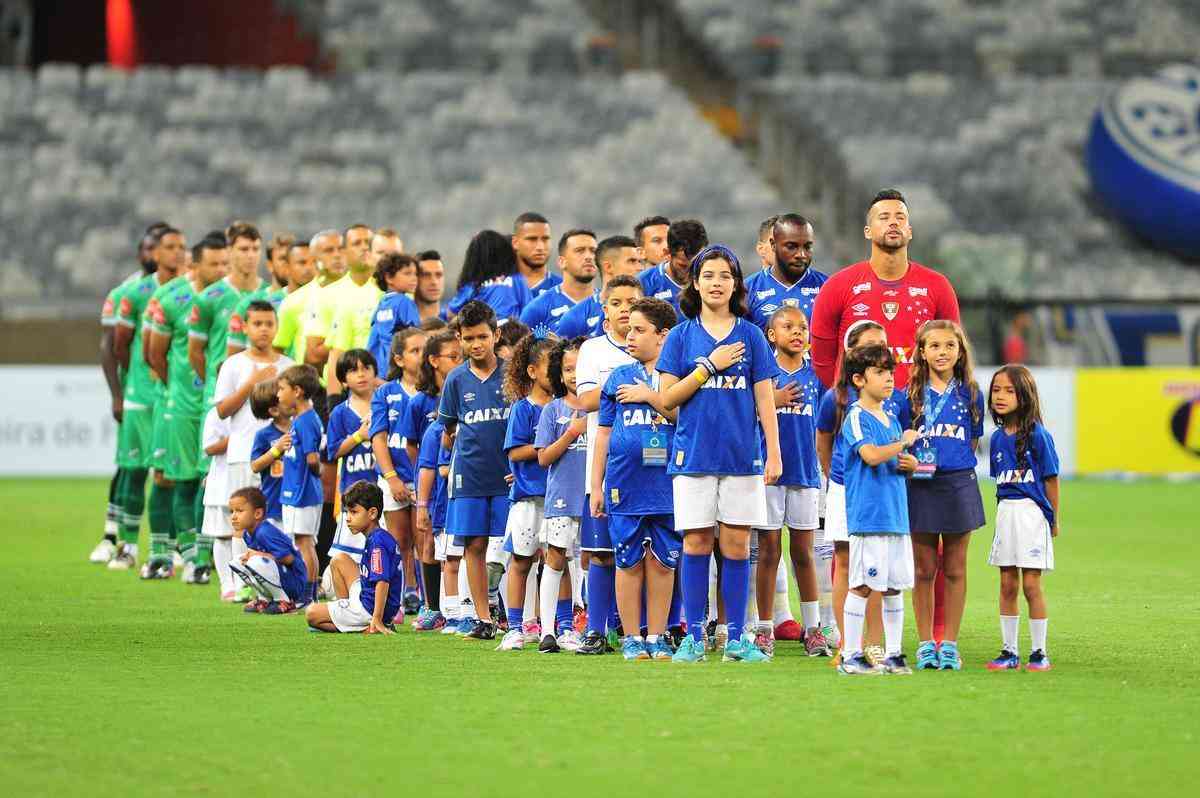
x: 490, y: 275
x: 944, y: 505
x: 527, y: 385
x: 717, y: 369
x: 1025, y: 465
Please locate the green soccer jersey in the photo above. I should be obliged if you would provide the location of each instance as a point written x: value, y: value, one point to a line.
x: 237, y: 321
x: 168, y: 314
x: 209, y: 321
x: 108, y: 313
x: 142, y: 387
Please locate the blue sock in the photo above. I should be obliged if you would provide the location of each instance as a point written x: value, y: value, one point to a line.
x: 601, y: 585
x: 694, y: 581
x: 516, y: 617
x: 676, y: 610
x: 564, y: 614
x: 735, y: 589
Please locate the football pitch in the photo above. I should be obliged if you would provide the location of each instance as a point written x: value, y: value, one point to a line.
x: 113, y: 686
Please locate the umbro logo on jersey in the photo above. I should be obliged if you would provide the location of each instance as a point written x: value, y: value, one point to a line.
x: 860, y: 288
x: 765, y: 294
x: 860, y: 309
x: 468, y: 397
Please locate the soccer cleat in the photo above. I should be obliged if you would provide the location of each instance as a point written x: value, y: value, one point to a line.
x: 593, y: 643
x: 675, y: 636
x: 789, y: 630
x: 633, y: 649
x: 927, y: 656
x: 432, y: 621
x: 279, y: 608
x: 579, y: 620
x: 765, y: 643
x: 612, y: 641
x: 258, y: 605
x: 815, y: 644
x: 499, y: 619
x: 203, y: 574
x: 569, y: 640
x: 451, y: 627
x: 874, y: 654
x: 157, y: 569
x: 417, y: 621
x: 411, y: 603
x: 532, y: 631
x: 483, y: 630
x: 549, y: 645
x: 513, y: 640
x: 948, y: 658
x: 105, y: 550
x: 246, y: 593
x: 743, y: 650
x: 1038, y: 661
x: 896, y: 665
x: 1007, y: 661
x: 123, y: 560
x: 832, y: 636
x: 858, y: 665
x: 466, y: 626
x: 660, y: 650
x: 690, y: 650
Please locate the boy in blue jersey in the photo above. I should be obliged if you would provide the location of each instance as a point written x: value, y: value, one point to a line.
x: 348, y: 443
x: 271, y: 566
x: 396, y: 275
x: 375, y: 598
x: 475, y: 414
x: 685, y: 239
x: 302, y: 495
x: 790, y: 282
x: 630, y: 483
x: 270, y: 442
x: 881, y: 558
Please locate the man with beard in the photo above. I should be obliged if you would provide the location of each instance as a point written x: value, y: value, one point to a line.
x: 617, y: 256
x: 431, y: 285
x: 789, y: 281
x: 577, y: 260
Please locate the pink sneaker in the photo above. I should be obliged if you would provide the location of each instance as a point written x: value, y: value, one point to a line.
x: 765, y: 643
x: 532, y: 630
x: 815, y: 644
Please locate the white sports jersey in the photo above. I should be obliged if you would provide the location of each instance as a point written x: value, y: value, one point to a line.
x: 242, y: 424
x: 597, y: 358
x: 216, y: 488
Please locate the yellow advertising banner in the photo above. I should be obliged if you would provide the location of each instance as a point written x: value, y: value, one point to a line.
x: 1138, y: 420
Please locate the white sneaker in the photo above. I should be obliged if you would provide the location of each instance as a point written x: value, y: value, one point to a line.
x: 189, y: 573
x: 176, y: 559
x: 124, y: 560
x: 104, y: 552
x: 532, y: 630
x: 513, y: 640
x: 570, y: 640
x: 451, y: 627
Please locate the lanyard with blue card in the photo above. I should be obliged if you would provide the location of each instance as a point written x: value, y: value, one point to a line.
x: 654, y: 448
x: 924, y: 451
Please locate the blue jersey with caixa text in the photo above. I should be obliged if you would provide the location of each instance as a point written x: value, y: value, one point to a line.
x: 717, y: 431
x: 954, y: 432
x: 389, y: 410
x: 765, y: 294
x: 876, y: 496
x: 359, y: 463
x: 478, y: 464
x: 1024, y: 478
x: 271, y: 479
x: 381, y: 562
x: 432, y: 455
x: 635, y: 483
x: 565, y: 488
x: 301, y: 487
x: 798, y: 429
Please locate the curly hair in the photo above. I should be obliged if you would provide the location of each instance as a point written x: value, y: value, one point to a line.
x: 556, y: 362
x: 527, y: 352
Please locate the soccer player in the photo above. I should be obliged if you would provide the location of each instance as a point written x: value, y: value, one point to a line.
x: 531, y: 246
x: 666, y: 280
x: 630, y: 484
x: 617, y: 255
x: 650, y: 235
x: 374, y: 599
x: 790, y: 281
x: 598, y: 357
x: 271, y: 566
x: 342, y: 318
x: 289, y: 339
x: 431, y: 284
x: 490, y: 275
x: 881, y: 555
x: 397, y: 276
x: 302, y: 493
x: 717, y: 368
x: 177, y: 430
x: 577, y: 260
x: 475, y: 415
x: 142, y: 394
x: 282, y: 283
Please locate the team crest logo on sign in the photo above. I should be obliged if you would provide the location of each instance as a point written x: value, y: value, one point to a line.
x: 890, y: 309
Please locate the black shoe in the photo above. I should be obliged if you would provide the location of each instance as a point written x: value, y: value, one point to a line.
x: 483, y: 631
x: 203, y: 575
x: 675, y: 636
x: 548, y: 645
x: 412, y: 603
x: 593, y: 643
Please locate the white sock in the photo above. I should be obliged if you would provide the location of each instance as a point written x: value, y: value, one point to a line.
x: 222, y: 556
x: 576, y: 582
x: 531, y: 585
x: 810, y: 614
x: 823, y: 554
x: 1008, y: 632
x: 893, y: 623
x: 766, y: 627
x: 551, y: 582
x: 782, y: 611
x: 442, y: 593
x: 464, y: 585
x: 1037, y: 634
x: 855, y: 613
x: 451, y: 608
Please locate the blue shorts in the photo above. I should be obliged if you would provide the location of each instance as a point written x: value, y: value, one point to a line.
x: 593, y: 532
x: 477, y: 516
x: 631, y: 533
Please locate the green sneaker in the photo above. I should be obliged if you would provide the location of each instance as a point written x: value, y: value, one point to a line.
x: 612, y: 642
x: 245, y: 595
x: 689, y: 651
x: 743, y: 650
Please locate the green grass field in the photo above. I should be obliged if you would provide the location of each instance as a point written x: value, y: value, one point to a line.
x: 116, y: 687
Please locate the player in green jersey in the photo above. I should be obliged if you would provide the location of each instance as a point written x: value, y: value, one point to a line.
x: 281, y: 286
x: 177, y: 429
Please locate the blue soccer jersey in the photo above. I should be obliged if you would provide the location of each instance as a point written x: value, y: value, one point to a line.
x: 585, y: 318
x: 293, y: 576
x: 395, y: 312
x: 359, y: 463
x: 635, y: 477
x: 381, y: 562
x: 432, y: 455
x: 658, y: 283
x: 565, y: 488
x: 827, y: 422
x: 271, y: 479
x: 548, y: 283
x: 1017, y: 480
x: 547, y: 309
x: 765, y: 294
x: 717, y: 431
x: 301, y: 487
x: 507, y: 296
x: 529, y: 478
x: 876, y: 496
x: 420, y: 413
x: 953, y: 433
x: 389, y: 405
x: 798, y: 429
x: 478, y: 464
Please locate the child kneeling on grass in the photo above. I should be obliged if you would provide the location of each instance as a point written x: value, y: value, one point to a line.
x: 272, y: 565
x: 375, y: 598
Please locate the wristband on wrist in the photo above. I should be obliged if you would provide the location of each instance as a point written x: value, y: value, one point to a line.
x: 700, y: 374
x: 276, y: 453
x: 707, y: 365
x: 389, y: 474
x: 357, y: 436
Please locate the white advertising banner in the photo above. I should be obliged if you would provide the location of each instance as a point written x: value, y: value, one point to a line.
x: 55, y: 421
x: 1056, y: 390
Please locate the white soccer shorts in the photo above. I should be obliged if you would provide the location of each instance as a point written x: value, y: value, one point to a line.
x: 1022, y: 537
x: 524, y: 525
x: 301, y: 520
x: 881, y: 562
x: 701, y: 501
x: 793, y: 507
x: 835, y: 514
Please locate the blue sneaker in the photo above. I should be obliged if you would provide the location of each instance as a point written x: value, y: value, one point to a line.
x: 432, y: 621
x: 743, y: 650
x: 466, y: 626
x: 633, y: 649
x: 689, y: 651
x: 1007, y: 661
x: 451, y: 627
x: 927, y: 656
x: 660, y: 650
x: 948, y: 658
